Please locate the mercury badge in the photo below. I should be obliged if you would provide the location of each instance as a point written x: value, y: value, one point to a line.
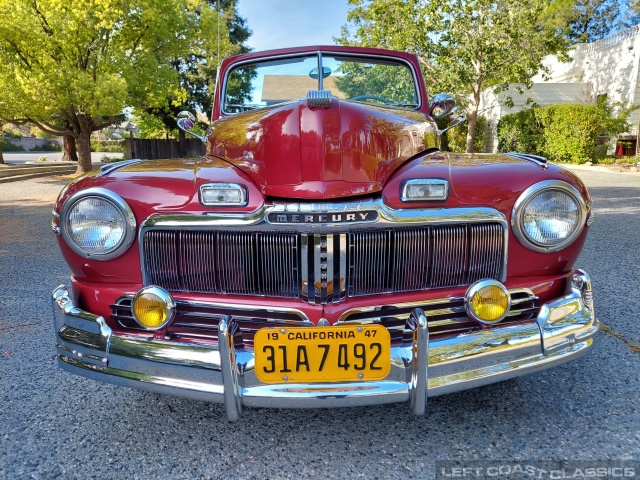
x: 362, y: 216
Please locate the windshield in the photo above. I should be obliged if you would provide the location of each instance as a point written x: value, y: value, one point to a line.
x: 369, y: 80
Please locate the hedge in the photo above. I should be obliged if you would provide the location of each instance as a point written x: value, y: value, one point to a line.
x: 7, y: 146
x: 562, y: 133
x: 116, y: 146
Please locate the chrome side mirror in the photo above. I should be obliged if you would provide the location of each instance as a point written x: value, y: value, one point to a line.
x: 441, y: 105
x: 186, y: 121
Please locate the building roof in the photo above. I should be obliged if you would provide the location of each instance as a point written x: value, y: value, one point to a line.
x: 281, y: 88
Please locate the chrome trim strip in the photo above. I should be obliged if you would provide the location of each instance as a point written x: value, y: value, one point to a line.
x: 118, y: 202
x: 537, y: 159
x: 304, y: 268
x: 112, y: 167
x: 342, y: 287
x: 319, y: 286
x: 329, y: 271
x: 387, y: 217
x: 517, y: 219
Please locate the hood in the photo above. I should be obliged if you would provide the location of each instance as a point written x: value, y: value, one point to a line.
x: 295, y: 151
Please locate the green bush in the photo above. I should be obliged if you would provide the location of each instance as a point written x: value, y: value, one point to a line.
x: 519, y: 132
x: 563, y: 133
x: 116, y: 146
x: 456, y: 138
x: 47, y: 147
x: 7, y: 146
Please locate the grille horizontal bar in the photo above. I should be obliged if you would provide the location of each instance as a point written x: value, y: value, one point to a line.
x: 323, y: 268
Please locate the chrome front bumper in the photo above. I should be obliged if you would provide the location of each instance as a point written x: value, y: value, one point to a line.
x: 424, y: 368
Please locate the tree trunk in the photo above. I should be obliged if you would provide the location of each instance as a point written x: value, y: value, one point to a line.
x: 473, y: 118
x: 70, y: 152
x: 182, y: 143
x: 1, y: 157
x: 84, y: 152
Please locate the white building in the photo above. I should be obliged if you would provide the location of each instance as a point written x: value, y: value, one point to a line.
x: 607, y: 67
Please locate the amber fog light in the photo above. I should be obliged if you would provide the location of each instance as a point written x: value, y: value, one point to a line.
x: 153, y: 308
x: 487, y: 301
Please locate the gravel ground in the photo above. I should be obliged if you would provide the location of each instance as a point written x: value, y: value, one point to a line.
x: 56, y: 425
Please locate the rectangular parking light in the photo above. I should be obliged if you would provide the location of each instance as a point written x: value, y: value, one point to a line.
x: 424, y: 190
x: 223, y: 194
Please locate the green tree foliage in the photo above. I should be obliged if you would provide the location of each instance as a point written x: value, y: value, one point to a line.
x: 592, y: 20
x: 71, y: 67
x: 464, y: 46
x: 197, y: 69
x: 563, y: 133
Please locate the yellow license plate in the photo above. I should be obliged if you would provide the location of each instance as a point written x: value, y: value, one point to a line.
x: 322, y: 354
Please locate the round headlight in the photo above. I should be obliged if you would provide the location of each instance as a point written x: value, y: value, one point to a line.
x: 97, y: 223
x: 548, y: 216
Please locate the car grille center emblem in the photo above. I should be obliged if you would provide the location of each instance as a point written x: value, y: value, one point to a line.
x: 324, y: 218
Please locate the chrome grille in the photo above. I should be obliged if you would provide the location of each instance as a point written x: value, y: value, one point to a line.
x: 411, y: 259
x: 240, y: 263
x: 323, y: 268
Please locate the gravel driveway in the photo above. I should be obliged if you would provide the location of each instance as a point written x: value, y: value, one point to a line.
x: 56, y: 425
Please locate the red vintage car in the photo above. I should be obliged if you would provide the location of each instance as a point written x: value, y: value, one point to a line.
x: 323, y: 252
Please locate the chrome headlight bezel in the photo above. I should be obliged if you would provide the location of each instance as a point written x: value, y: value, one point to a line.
x: 120, y: 205
x: 517, y: 215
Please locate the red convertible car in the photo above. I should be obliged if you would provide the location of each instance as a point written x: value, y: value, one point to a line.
x: 323, y: 252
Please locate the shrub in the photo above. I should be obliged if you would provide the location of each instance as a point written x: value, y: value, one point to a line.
x: 563, y: 133
x: 42, y: 159
x: 116, y: 146
x: 7, y: 146
x: 519, y: 132
x: 108, y: 159
x: 47, y: 147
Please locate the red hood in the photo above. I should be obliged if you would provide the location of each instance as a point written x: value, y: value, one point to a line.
x: 295, y: 151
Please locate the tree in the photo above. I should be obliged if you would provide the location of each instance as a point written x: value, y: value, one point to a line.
x: 592, y: 20
x: 464, y: 46
x: 197, y: 70
x: 631, y: 14
x: 72, y: 67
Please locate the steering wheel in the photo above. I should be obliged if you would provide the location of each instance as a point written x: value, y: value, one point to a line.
x: 372, y: 97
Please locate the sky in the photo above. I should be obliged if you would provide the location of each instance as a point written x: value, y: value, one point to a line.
x: 292, y: 23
